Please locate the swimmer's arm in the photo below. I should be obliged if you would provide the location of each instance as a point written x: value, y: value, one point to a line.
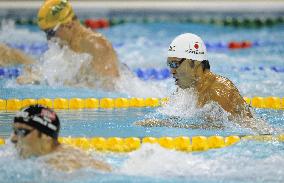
x: 21, y: 57
x: 11, y: 56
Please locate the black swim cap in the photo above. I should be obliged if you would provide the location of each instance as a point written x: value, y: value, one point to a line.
x: 43, y: 119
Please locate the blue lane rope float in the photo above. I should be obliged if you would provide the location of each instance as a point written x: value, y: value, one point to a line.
x: 161, y: 74
x: 153, y: 74
x: 9, y: 73
x: 34, y: 49
x: 147, y: 74
x: 40, y: 48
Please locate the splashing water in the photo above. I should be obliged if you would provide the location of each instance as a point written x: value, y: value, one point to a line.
x: 183, y: 103
x: 182, y: 108
x: 60, y: 65
x: 232, y: 164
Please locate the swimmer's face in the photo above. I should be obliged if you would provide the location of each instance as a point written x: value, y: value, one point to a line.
x: 64, y: 31
x: 27, y: 140
x: 185, y: 71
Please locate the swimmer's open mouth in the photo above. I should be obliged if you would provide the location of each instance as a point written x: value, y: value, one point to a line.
x: 176, y: 80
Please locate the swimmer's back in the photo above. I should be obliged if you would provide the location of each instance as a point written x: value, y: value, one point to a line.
x: 104, y: 62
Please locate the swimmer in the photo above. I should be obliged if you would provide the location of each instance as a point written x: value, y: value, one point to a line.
x: 57, y: 19
x: 35, y: 134
x: 190, y: 67
x: 11, y: 57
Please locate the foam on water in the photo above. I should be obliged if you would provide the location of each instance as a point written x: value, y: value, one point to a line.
x: 183, y: 104
x: 233, y: 164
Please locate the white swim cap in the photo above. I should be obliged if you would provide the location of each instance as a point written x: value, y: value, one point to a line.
x: 189, y: 46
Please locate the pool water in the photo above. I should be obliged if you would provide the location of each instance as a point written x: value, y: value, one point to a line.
x: 145, y: 46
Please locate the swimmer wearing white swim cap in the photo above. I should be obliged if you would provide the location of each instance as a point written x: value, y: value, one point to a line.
x: 35, y: 134
x: 187, y: 60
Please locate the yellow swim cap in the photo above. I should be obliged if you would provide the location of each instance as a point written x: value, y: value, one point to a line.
x: 54, y: 12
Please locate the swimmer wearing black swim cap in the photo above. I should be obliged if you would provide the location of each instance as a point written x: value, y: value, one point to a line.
x: 35, y: 134
x: 36, y: 131
x: 43, y: 119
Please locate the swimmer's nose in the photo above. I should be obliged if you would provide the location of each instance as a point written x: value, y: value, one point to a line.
x: 173, y: 71
x: 14, y: 139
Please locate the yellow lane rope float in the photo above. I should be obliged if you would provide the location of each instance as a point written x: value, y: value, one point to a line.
x: 110, y: 103
x: 181, y: 143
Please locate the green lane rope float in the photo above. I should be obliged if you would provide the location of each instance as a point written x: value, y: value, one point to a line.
x: 110, y: 103
x: 181, y: 143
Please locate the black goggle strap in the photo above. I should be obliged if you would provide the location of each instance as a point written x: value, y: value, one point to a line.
x: 40, y: 127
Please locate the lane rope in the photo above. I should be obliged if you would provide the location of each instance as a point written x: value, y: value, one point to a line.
x: 148, y: 73
x: 181, y: 143
x: 112, y: 103
x: 40, y: 48
x: 246, y: 22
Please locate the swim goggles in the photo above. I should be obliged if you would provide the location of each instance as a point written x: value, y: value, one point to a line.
x: 51, y: 32
x: 175, y: 64
x: 22, y: 132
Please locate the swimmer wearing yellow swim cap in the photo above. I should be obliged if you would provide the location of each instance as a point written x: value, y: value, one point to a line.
x: 53, y: 13
x: 57, y: 19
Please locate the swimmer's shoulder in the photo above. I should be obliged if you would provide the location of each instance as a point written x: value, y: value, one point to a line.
x: 95, y: 37
x: 68, y: 158
x: 224, y: 82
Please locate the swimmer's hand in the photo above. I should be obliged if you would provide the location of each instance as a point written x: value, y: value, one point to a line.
x: 27, y: 80
x: 29, y: 77
x: 169, y: 123
x: 259, y: 126
x: 153, y: 123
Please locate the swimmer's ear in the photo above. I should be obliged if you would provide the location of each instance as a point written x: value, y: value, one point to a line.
x: 75, y: 17
x: 205, y: 65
